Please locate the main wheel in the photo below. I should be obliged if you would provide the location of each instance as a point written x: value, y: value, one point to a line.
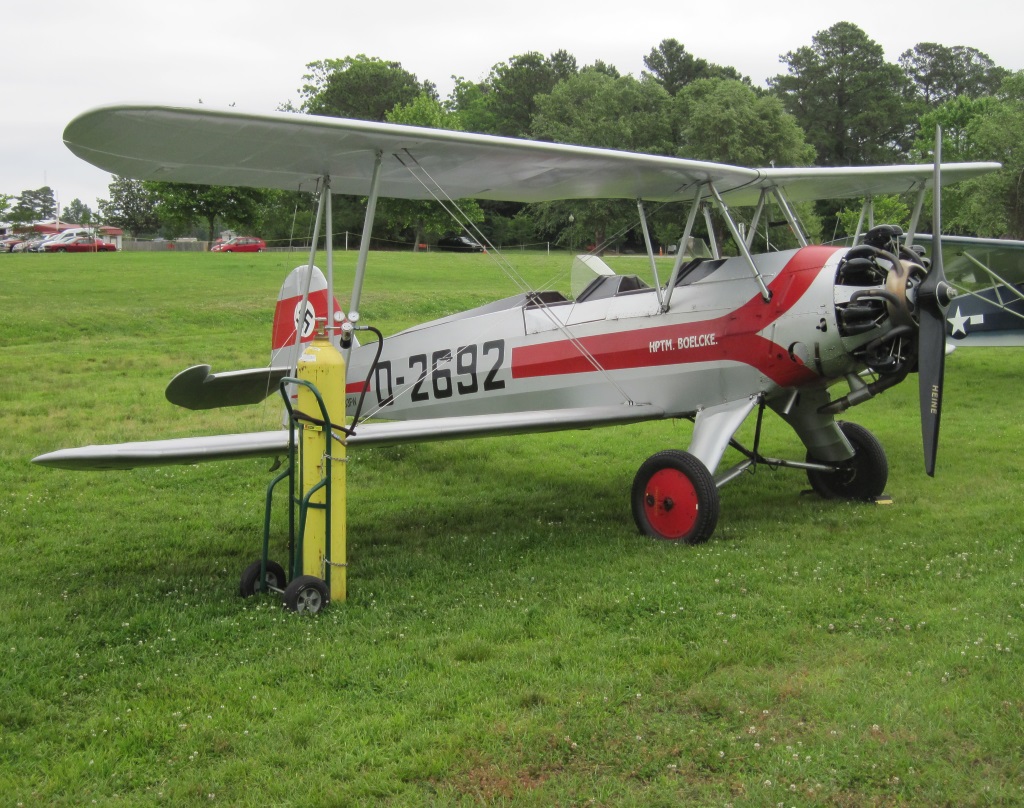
x: 250, y: 582
x: 675, y: 498
x: 863, y: 476
x: 307, y: 593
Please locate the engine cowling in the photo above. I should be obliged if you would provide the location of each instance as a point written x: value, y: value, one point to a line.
x: 879, y: 319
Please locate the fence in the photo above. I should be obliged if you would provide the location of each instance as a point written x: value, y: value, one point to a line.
x: 145, y: 245
x: 342, y: 241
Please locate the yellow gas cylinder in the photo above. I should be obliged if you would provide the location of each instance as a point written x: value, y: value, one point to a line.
x: 323, y: 541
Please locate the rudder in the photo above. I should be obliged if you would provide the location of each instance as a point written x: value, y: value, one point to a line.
x: 283, y: 352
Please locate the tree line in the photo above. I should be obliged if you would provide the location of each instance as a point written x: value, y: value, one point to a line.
x: 838, y: 103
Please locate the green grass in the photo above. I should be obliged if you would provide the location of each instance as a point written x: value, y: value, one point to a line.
x: 508, y: 638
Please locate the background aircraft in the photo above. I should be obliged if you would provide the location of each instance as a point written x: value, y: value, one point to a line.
x: 988, y: 275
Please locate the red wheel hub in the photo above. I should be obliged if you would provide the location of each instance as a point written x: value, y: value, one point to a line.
x: 670, y: 503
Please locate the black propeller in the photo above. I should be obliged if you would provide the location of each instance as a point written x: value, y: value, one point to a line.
x: 933, y: 297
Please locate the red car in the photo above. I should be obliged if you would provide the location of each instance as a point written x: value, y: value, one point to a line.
x: 241, y: 244
x: 80, y: 244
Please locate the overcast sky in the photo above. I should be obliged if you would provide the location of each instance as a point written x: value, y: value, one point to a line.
x: 253, y: 54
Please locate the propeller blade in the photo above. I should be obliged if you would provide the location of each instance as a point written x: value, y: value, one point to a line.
x: 934, y: 297
x: 931, y: 369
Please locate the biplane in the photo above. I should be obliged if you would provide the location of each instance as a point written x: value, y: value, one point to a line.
x: 806, y: 333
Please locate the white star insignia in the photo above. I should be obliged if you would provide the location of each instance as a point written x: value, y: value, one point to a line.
x: 958, y: 322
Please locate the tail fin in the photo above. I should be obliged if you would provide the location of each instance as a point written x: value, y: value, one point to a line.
x: 283, y: 349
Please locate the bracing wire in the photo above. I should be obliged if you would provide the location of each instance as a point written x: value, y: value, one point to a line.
x: 449, y: 205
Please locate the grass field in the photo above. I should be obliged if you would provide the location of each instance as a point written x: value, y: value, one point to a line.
x: 508, y: 638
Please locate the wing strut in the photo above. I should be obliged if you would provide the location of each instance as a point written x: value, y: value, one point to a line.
x: 680, y: 251
x: 715, y: 252
x: 325, y: 194
x: 650, y: 252
x: 787, y: 211
x: 740, y: 241
x: 329, y: 215
x: 364, y: 244
x: 860, y: 220
x: 755, y: 220
x: 915, y: 216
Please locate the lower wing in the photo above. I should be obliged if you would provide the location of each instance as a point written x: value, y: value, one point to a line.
x: 186, y: 451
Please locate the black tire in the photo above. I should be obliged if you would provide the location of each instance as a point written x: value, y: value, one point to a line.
x: 307, y: 594
x: 861, y: 477
x: 249, y: 584
x: 674, y: 498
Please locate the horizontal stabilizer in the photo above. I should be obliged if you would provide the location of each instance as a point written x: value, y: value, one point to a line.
x: 197, y: 389
x: 186, y: 451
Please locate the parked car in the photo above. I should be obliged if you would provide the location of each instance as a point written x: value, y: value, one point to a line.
x: 241, y: 244
x: 79, y: 244
x: 459, y: 244
x: 39, y: 244
x: 7, y: 242
x: 28, y: 245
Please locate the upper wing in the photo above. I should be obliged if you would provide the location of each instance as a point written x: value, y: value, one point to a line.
x: 221, y: 147
x: 285, y: 151
x: 185, y: 451
x: 803, y: 184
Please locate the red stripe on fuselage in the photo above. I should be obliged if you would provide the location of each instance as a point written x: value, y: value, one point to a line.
x: 732, y: 337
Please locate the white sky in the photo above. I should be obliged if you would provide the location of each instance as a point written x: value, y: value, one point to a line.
x: 253, y: 54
